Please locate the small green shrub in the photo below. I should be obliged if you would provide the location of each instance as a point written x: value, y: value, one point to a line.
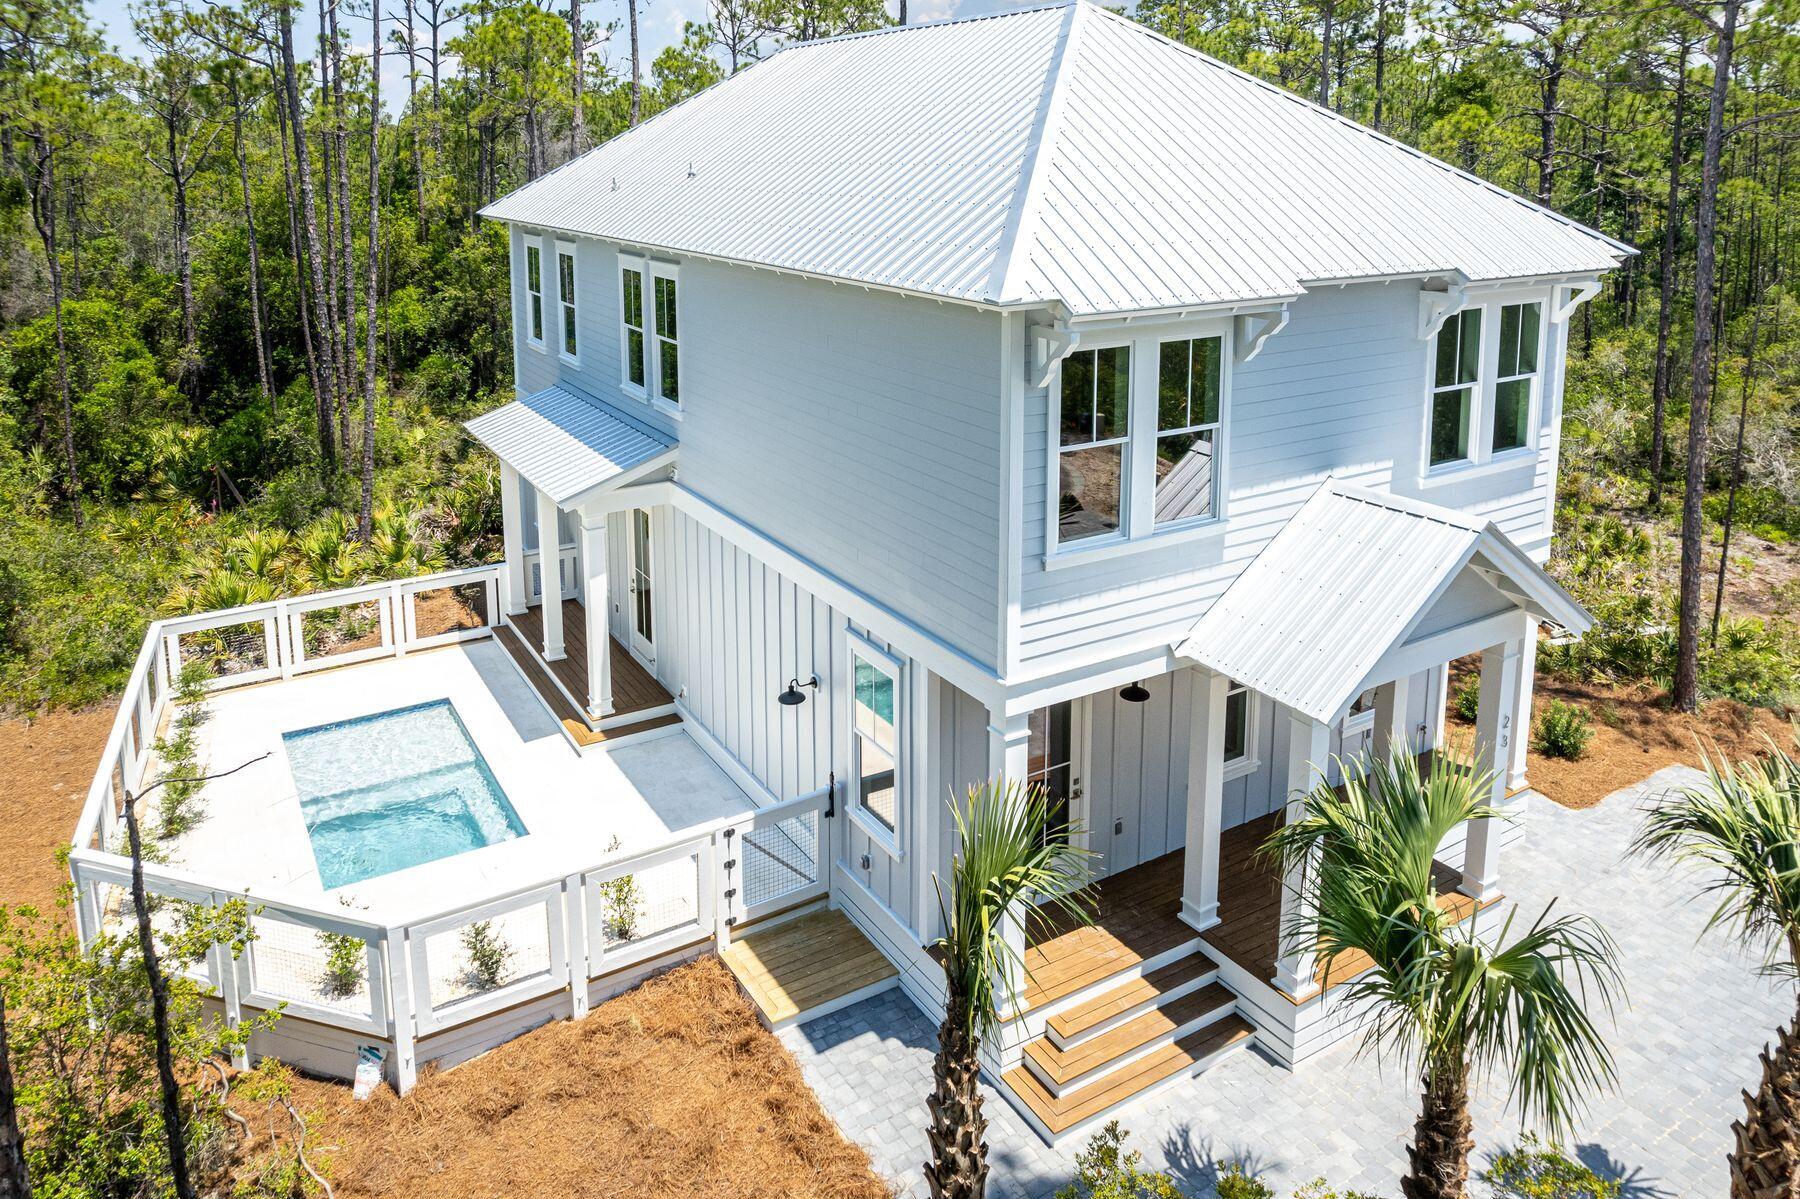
x: 179, y: 752
x: 1535, y: 1170
x: 619, y: 901
x: 1233, y: 1183
x: 1562, y: 731
x: 1465, y: 701
x: 346, y: 957
x: 488, y: 954
x: 1318, y: 1188
x: 1104, y: 1170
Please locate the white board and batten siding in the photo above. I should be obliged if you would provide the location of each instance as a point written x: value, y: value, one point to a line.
x: 1341, y: 391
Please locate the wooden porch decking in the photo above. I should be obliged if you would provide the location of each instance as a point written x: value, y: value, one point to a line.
x: 1138, y: 916
x: 808, y: 967
x: 634, y: 689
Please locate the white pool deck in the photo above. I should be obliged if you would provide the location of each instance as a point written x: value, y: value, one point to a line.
x: 572, y: 804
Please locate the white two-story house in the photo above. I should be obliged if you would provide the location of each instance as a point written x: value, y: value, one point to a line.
x: 1033, y: 396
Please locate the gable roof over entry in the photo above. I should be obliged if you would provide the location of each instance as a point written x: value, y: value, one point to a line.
x: 1060, y: 154
x: 1347, y: 579
x: 566, y: 446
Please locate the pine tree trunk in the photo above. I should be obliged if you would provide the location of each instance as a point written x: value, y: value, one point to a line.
x: 578, y: 80
x: 346, y: 238
x: 1665, y: 311
x: 14, y: 1182
x: 1765, y: 1156
x: 958, y: 1131
x: 43, y: 214
x: 1442, y: 1140
x: 637, y: 86
x: 265, y: 379
x: 327, y: 374
x: 365, y: 514
x: 1686, y: 692
x: 184, y: 259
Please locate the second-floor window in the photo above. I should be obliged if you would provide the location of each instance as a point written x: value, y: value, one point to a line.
x: 1140, y: 436
x: 668, y: 352
x: 1455, y: 382
x: 1513, y: 386
x: 631, y: 309
x: 534, y: 292
x: 565, y: 296
x: 1485, y: 365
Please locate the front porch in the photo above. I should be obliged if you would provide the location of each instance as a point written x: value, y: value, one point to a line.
x: 639, y: 702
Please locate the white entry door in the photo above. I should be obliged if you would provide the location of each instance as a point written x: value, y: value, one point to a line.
x: 1057, y: 757
x: 643, y: 609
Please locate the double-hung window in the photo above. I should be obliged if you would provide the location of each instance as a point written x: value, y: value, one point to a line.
x: 565, y: 296
x: 534, y: 292
x: 1092, y: 454
x: 1187, y: 428
x: 875, y: 741
x: 1455, y: 387
x: 635, y: 369
x: 1513, y: 385
x: 668, y: 353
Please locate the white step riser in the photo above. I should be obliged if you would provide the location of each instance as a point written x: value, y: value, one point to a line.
x: 623, y: 719
x: 1032, y: 1025
x: 1119, y: 1063
x: 1174, y: 993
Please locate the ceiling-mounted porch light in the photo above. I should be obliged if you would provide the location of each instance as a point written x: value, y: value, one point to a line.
x: 793, y: 696
x: 1136, y: 693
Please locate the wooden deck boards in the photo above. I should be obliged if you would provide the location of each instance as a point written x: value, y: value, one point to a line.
x: 809, y: 964
x: 559, y: 703
x: 634, y: 688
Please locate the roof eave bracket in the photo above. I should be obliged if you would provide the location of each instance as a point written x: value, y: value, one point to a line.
x: 1436, y: 307
x: 1579, y: 295
x: 1050, y: 344
x: 1253, y: 329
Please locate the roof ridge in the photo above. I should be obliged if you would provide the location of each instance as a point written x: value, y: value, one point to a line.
x: 1050, y: 109
x: 941, y: 21
x: 1318, y: 109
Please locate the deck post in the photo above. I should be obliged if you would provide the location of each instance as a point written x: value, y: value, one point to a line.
x: 1393, y: 700
x: 405, y: 1066
x: 1309, y: 745
x: 1495, y: 732
x: 512, y: 525
x: 595, y: 604
x: 1205, y: 800
x: 550, y: 571
x: 1521, y: 713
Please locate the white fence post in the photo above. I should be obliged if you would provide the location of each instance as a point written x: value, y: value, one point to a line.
x: 225, y: 975
x: 398, y: 625
x: 400, y: 1009
x: 575, y: 919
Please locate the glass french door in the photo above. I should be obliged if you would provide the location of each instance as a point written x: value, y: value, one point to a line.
x: 1053, y: 762
x: 643, y: 619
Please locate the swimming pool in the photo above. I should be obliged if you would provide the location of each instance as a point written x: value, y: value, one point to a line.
x: 398, y: 789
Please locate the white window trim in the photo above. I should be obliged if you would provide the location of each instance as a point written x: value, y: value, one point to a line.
x: 1138, y: 529
x: 529, y: 243
x: 1250, y: 763
x: 1482, y: 459
x: 639, y: 391
x: 652, y: 338
x: 890, y: 840
x: 564, y: 247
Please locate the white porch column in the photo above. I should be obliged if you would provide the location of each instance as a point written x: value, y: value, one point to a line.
x: 1495, y: 732
x: 1393, y: 727
x: 1309, y: 747
x: 1205, y: 799
x: 1521, y: 742
x: 515, y: 594
x: 549, y: 552
x: 596, y: 601
x: 1009, y: 759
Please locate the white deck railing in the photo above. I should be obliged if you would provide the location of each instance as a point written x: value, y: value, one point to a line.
x: 564, y: 933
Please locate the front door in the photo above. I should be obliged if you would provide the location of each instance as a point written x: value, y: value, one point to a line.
x: 1055, y: 762
x: 643, y: 619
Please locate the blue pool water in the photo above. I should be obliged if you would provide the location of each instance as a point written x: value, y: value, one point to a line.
x: 402, y: 788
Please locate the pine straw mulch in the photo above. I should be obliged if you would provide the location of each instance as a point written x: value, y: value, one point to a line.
x: 1636, y: 734
x: 46, y: 766
x: 671, y: 1089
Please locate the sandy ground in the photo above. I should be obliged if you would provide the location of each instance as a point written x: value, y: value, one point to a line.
x: 46, y: 766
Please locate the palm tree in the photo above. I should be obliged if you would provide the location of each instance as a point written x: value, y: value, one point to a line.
x: 1453, y: 1003
x: 1743, y: 828
x: 1012, y: 859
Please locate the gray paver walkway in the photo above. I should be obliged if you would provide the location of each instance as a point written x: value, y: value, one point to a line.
x: 1685, y: 1045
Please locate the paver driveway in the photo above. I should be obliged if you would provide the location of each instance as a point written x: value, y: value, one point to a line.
x: 1685, y: 1044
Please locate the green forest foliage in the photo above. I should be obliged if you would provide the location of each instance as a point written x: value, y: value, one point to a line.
x: 177, y: 481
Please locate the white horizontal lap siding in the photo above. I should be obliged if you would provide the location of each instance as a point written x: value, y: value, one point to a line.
x: 1340, y: 392
x: 862, y: 430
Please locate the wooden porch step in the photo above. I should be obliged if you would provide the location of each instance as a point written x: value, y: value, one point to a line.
x: 1122, y: 1002
x: 1065, y: 1069
x: 1062, y: 1114
x: 803, y: 968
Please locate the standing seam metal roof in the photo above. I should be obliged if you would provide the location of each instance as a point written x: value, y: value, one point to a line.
x: 1341, y: 584
x: 563, y: 444
x: 1052, y: 154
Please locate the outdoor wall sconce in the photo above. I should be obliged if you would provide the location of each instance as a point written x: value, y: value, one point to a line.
x: 1136, y: 693
x: 793, y: 696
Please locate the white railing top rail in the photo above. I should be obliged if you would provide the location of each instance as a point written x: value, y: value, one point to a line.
x: 100, y: 790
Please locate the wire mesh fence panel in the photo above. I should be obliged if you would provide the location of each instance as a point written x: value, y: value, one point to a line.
x: 485, y: 955
x: 342, y: 629
x: 226, y: 650
x: 651, y: 902
x: 780, y: 858
x: 450, y: 609
x: 299, y: 963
